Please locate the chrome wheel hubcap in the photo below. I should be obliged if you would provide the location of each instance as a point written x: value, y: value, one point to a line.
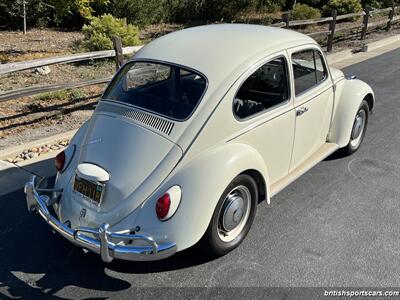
x: 234, y: 213
x: 358, y: 128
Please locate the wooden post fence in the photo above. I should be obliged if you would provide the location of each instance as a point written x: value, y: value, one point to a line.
x: 119, y: 52
x: 286, y: 19
x: 365, y: 24
x: 390, y: 19
x: 332, y: 26
x: 119, y: 57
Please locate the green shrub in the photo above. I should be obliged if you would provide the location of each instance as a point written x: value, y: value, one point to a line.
x: 192, y: 11
x: 141, y: 12
x: 303, y: 12
x: 56, y: 95
x: 313, y: 3
x: 270, y: 6
x: 203, y: 11
x: 77, y: 94
x: 4, y: 58
x: 98, y: 34
x: 342, y: 7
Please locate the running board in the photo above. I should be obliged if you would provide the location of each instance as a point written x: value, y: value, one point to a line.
x: 323, y: 152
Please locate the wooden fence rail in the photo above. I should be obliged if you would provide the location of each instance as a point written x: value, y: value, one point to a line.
x: 366, y: 14
x: 118, y: 51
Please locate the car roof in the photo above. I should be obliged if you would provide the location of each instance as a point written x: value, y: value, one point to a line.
x: 217, y: 50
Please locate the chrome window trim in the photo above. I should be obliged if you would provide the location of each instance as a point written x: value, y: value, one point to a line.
x: 163, y: 63
x: 250, y: 71
x: 318, y: 83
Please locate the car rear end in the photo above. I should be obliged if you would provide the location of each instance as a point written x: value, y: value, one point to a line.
x: 117, y: 161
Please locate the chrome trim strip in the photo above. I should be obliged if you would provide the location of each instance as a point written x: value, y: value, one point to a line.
x: 102, y: 240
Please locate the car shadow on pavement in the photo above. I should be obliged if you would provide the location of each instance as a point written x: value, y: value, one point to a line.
x: 35, y: 262
x: 338, y: 154
x: 184, y: 259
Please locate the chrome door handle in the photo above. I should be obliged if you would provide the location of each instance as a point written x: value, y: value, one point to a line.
x: 301, y: 111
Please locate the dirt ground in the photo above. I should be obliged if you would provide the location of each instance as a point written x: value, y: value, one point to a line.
x: 37, y: 44
x: 29, y: 118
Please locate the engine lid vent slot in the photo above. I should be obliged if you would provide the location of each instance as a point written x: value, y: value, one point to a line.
x: 163, y: 125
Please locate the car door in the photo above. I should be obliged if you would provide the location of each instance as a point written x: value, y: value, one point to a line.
x: 263, y: 111
x: 313, y: 101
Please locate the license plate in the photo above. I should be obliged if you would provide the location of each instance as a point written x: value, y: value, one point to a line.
x: 91, y: 191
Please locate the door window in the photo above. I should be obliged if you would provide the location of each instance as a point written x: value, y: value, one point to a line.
x: 264, y: 89
x: 308, y: 70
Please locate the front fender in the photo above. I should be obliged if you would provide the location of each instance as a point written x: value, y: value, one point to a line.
x: 203, y: 180
x: 348, y: 97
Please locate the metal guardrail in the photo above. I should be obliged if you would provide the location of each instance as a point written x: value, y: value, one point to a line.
x: 25, y: 65
x: 36, y: 90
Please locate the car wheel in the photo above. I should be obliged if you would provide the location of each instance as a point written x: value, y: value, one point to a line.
x: 233, y: 216
x: 358, y: 130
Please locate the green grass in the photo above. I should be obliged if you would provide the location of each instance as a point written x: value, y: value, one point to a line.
x: 4, y: 58
x: 71, y: 95
x: 57, y: 95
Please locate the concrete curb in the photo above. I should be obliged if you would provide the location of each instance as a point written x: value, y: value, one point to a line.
x: 13, y: 151
x: 45, y: 156
x: 339, y: 56
x: 384, y: 42
x: 4, y: 165
x: 348, y: 53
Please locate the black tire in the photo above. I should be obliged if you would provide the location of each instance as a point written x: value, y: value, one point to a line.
x: 351, y: 146
x: 212, y: 241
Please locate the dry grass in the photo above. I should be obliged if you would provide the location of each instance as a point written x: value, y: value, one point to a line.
x: 38, y: 43
x: 46, y: 109
x: 66, y: 109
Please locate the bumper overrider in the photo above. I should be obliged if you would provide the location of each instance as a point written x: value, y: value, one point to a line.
x: 99, y: 240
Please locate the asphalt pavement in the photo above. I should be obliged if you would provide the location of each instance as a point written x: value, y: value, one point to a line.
x: 338, y: 225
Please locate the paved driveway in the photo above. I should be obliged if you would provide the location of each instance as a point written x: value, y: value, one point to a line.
x: 338, y: 225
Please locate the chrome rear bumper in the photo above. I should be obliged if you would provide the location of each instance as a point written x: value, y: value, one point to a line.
x: 101, y: 239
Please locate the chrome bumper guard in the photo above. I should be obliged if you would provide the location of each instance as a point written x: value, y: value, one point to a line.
x: 102, y: 240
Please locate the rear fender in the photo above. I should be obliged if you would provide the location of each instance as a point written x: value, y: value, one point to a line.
x: 202, y: 180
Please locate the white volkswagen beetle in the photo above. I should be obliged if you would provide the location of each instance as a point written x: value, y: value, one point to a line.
x: 191, y: 133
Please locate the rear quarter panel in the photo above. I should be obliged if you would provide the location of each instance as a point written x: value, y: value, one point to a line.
x: 203, y: 180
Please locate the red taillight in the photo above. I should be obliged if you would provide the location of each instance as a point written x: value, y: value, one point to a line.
x: 60, y: 161
x: 162, y: 206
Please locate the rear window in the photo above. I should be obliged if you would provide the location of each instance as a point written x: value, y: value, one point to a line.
x: 168, y: 90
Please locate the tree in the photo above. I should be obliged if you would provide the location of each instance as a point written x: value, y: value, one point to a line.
x: 85, y: 7
x: 14, y: 12
x: 24, y: 11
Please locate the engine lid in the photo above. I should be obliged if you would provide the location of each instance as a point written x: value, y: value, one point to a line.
x: 129, y: 154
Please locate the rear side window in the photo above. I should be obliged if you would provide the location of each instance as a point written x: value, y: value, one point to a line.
x: 167, y: 90
x: 308, y: 69
x: 264, y: 89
